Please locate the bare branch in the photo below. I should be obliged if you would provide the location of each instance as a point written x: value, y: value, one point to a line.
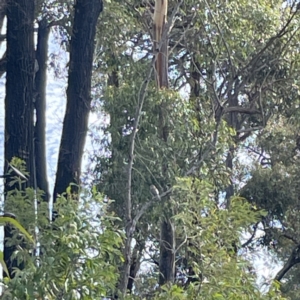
x: 281, y: 33
x: 287, y: 236
x: 250, y: 240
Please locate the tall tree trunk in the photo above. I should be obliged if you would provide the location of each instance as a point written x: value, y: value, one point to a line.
x: 19, y: 97
x: 40, y: 108
x: 160, y: 45
x: 78, y: 95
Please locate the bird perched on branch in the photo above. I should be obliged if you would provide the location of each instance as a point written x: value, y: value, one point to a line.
x: 154, y: 191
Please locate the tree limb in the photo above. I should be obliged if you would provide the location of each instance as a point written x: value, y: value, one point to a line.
x: 239, y: 109
x: 293, y: 260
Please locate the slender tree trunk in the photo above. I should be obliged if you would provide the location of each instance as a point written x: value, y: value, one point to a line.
x: 19, y: 97
x: 75, y: 123
x: 232, y: 121
x: 229, y: 165
x: 167, y: 235
x: 40, y: 108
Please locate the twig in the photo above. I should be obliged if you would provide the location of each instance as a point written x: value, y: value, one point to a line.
x: 250, y: 240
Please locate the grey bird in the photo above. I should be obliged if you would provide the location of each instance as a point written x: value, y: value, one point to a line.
x: 154, y: 191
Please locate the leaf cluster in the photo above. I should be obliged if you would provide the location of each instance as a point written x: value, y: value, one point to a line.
x: 76, y: 255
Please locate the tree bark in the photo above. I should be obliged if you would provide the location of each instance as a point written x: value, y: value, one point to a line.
x: 75, y: 123
x: 40, y: 108
x: 160, y: 42
x: 19, y: 97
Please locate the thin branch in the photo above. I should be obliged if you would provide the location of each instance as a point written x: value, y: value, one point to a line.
x: 223, y: 39
x: 141, y: 99
x: 239, y: 109
x: 131, y: 226
x: 250, y: 129
x: 206, y: 153
x: 281, y: 33
x: 145, y: 207
x: 250, y: 240
x: 287, y: 236
x: 185, y: 31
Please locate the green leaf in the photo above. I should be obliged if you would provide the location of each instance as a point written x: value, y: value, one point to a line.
x: 17, y: 225
x: 3, y: 264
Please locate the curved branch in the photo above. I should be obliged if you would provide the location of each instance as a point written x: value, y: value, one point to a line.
x: 292, y: 261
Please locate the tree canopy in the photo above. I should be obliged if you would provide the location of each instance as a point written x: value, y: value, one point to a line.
x: 195, y: 171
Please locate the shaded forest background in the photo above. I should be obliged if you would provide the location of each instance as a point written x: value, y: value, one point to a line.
x: 194, y: 175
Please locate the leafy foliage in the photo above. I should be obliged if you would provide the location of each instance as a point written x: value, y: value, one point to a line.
x: 76, y: 257
x: 233, y: 96
x: 231, y: 65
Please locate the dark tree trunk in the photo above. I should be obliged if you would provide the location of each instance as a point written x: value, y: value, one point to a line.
x: 78, y: 95
x: 19, y: 96
x: 167, y: 252
x: 137, y: 253
x: 40, y: 108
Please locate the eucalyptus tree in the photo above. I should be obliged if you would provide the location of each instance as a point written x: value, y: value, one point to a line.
x: 183, y: 91
x: 274, y: 186
x: 233, y: 62
x: 19, y: 130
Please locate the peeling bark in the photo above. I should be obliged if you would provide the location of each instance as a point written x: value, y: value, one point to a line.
x: 160, y: 42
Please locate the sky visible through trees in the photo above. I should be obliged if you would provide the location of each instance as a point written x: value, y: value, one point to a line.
x: 193, y: 144
x: 56, y: 101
